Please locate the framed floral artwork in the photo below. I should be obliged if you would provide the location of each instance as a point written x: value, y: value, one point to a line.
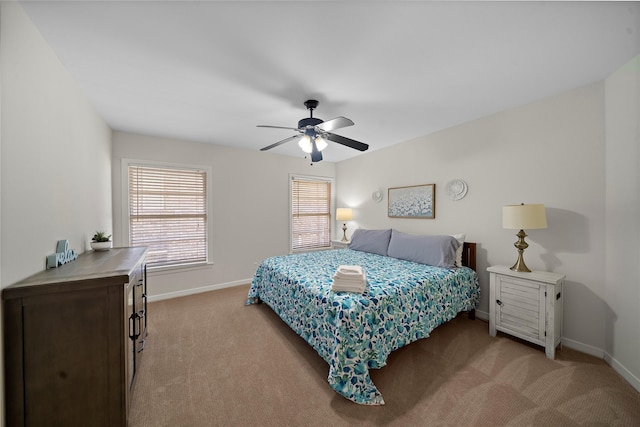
x: 416, y: 201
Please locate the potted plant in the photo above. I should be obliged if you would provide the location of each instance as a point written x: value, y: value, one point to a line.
x: 100, y: 241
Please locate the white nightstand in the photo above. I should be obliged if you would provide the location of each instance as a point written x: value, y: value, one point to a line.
x: 527, y: 306
x: 339, y: 244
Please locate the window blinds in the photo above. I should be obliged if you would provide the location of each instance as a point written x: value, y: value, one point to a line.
x: 168, y: 214
x: 310, y: 214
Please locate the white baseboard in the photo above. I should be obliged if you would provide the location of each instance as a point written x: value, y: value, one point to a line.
x: 583, y: 348
x: 617, y: 366
x: 624, y: 372
x: 199, y: 290
x: 482, y: 315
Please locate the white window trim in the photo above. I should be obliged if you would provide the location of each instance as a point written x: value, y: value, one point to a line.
x: 332, y: 208
x: 124, y: 170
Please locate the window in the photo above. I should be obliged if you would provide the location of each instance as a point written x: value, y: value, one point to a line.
x: 310, y: 213
x: 168, y: 213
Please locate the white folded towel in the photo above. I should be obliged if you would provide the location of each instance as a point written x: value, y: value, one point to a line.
x: 349, y: 278
x: 349, y: 270
x: 345, y: 288
x: 357, y: 279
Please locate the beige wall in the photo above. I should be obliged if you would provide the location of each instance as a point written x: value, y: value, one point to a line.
x: 623, y: 220
x: 250, y: 207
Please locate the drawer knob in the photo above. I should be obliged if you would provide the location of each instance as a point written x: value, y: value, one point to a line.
x: 498, y: 302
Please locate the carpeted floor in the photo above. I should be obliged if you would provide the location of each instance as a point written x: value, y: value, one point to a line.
x: 211, y: 361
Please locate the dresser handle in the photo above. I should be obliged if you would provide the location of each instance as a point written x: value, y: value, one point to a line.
x: 134, y: 323
x: 499, y: 302
x: 132, y: 326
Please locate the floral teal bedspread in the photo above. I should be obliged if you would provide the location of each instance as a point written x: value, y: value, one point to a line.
x: 403, y: 302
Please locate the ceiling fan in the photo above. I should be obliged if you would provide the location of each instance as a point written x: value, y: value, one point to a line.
x: 313, y: 133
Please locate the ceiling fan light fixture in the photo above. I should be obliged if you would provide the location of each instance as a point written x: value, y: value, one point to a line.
x: 305, y: 144
x: 321, y: 143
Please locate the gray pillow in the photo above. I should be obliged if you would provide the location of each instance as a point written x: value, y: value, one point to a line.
x: 439, y: 251
x: 374, y: 241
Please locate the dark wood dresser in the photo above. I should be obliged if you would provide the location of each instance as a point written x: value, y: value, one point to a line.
x: 72, y: 340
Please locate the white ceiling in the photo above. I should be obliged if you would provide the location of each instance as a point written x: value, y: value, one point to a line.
x: 210, y: 71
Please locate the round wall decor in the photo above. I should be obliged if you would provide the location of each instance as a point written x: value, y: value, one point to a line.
x: 456, y: 189
x: 376, y: 196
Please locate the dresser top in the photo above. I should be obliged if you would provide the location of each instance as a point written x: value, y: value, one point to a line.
x: 116, y: 263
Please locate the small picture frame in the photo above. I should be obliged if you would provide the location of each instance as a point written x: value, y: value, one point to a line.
x: 416, y: 201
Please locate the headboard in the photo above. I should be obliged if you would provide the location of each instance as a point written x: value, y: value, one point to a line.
x: 469, y: 255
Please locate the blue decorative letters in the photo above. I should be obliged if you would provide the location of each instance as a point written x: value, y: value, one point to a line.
x: 63, y: 255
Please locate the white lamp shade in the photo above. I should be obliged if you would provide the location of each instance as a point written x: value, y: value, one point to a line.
x: 344, y: 214
x: 321, y: 143
x: 305, y: 144
x: 524, y: 217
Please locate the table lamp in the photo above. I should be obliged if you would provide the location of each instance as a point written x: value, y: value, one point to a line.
x: 520, y: 217
x: 344, y: 214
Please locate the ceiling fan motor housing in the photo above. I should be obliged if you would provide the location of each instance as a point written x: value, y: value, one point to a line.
x: 309, y: 121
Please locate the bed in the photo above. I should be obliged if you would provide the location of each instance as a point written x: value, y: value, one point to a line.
x: 403, y: 302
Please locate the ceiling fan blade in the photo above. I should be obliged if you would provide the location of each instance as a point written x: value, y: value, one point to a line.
x: 277, y: 127
x: 352, y: 143
x: 291, y: 138
x: 337, y: 123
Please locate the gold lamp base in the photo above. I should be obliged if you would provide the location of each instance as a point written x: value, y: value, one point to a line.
x: 521, y: 245
x: 344, y: 233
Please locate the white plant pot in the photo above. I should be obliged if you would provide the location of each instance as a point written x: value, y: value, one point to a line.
x: 101, y: 246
